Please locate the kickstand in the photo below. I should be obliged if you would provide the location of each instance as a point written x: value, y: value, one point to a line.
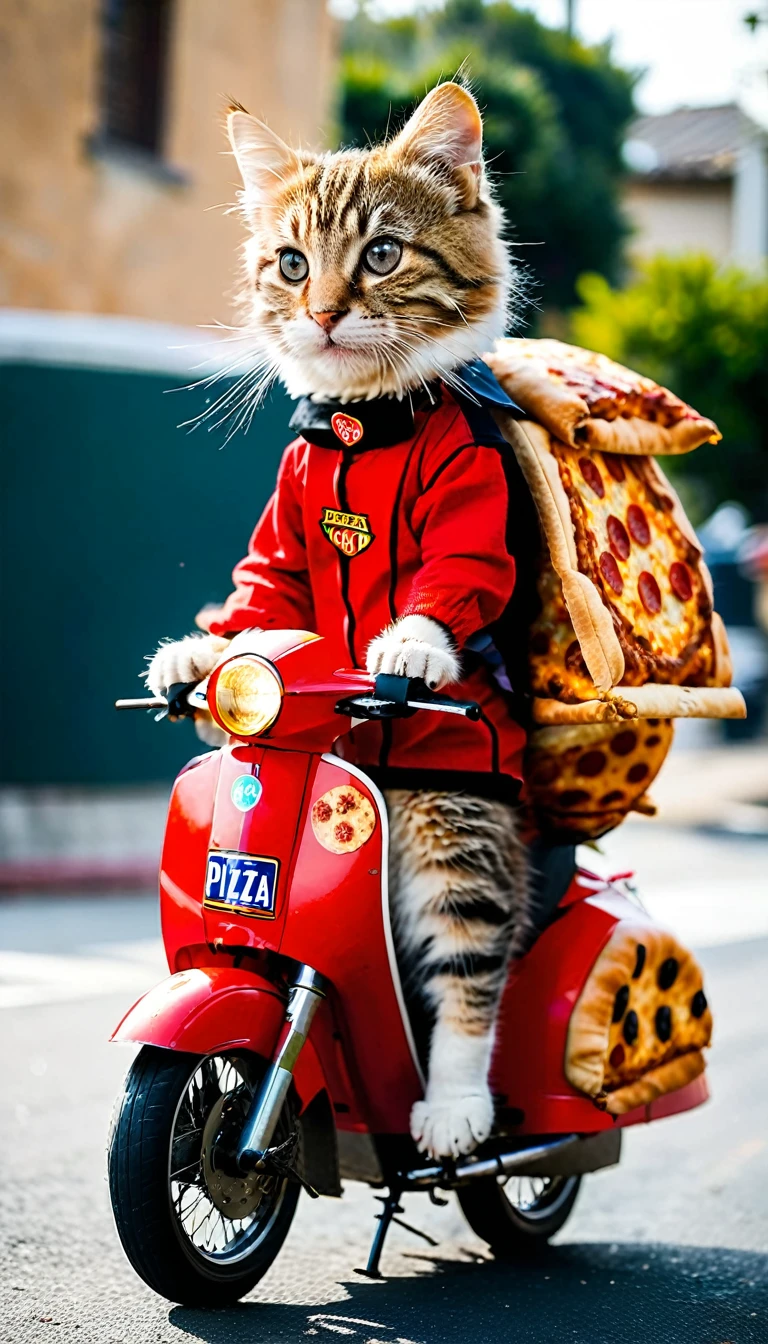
x: 391, y: 1207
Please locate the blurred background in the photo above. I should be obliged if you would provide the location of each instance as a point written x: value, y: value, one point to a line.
x: 629, y: 143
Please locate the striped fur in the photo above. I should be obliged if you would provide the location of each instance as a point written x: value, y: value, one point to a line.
x: 459, y: 905
x: 443, y: 304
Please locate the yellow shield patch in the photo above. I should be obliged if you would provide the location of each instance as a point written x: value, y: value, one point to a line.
x: 350, y: 533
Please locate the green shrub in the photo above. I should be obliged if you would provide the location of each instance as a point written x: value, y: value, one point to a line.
x: 555, y: 112
x: 702, y: 330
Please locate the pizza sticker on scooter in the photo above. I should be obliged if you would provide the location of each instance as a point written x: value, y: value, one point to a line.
x: 245, y: 883
x: 350, y: 533
x: 343, y: 819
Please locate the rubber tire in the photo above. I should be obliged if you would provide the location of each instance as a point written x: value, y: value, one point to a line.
x: 138, y: 1186
x: 508, y: 1232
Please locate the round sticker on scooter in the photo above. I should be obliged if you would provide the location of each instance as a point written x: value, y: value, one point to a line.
x: 343, y: 819
x: 245, y: 792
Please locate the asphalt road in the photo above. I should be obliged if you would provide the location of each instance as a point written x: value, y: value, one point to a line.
x: 671, y: 1247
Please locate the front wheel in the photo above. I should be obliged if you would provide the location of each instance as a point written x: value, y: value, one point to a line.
x: 195, y: 1229
x: 518, y: 1216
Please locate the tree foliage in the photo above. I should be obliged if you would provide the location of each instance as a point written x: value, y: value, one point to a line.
x: 554, y: 109
x: 703, y: 331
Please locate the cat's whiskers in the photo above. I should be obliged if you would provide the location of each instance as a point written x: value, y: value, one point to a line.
x: 251, y: 386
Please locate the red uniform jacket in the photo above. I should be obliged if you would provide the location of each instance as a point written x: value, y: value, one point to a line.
x: 355, y: 537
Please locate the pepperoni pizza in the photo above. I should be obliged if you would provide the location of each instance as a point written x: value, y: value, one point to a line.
x: 648, y: 570
x: 343, y: 819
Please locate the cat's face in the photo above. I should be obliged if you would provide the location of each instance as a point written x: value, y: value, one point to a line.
x: 370, y: 272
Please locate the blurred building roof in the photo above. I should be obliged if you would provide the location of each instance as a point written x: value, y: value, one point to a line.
x: 688, y: 144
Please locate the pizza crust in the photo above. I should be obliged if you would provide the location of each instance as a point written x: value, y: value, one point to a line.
x: 635, y: 1032
x: 722, y: 650
x: 654, y: 701
x: 651, y: 701
x: 555, y: 712
x: 641, y: 438
x: 591, y: 619
x: 667, y: 1078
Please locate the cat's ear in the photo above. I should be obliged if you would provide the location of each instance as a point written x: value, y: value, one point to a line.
x: 446, y: 128
x: 264, y: 160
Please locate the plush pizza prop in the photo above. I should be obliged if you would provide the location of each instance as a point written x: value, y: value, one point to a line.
x: 582, y: 780
x: 641, y: 1021
x: 626, y: 630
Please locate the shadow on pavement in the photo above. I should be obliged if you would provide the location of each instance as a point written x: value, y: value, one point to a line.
x: 577, y: 1294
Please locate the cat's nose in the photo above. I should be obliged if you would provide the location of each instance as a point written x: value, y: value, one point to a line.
x: 327, y: 320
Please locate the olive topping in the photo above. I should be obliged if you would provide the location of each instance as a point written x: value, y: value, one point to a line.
x: 631, y: 1027
x: 668, y: 973
x: 664, y: 1023
x: 640, y: 962
x: 620, y: 1003
x: 699, y: 1003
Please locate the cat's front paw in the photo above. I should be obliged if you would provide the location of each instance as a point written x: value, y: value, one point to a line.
x: 452, y: 1126
x: 209, y: 732
x: 415, y: 646
x: 184, y: 661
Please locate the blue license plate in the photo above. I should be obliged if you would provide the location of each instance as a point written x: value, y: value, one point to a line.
x: 242, y: 883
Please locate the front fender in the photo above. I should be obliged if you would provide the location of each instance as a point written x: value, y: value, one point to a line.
x: 210, y: 1009
x: 207, y: 1009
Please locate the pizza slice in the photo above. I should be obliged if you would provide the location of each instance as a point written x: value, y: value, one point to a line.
x: 626, y: 626
x: 641, y: 1021
x: 588, y: 400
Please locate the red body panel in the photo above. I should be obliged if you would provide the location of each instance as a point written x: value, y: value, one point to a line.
x: 185, y: 851
x: 332, y: 912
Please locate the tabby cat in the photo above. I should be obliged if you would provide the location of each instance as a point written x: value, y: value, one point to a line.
x: 380, y: 274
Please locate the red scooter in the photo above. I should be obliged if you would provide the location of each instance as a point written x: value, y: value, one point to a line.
x: 279, y: 1052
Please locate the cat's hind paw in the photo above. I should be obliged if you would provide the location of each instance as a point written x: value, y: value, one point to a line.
x: 452, y: 1127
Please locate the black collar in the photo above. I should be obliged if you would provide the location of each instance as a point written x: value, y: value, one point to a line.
x: 384, y: 421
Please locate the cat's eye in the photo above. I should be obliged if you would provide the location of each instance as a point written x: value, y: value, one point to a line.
x: 382, y: 256
x: 293, y: 265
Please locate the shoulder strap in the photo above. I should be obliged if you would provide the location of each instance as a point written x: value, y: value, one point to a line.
x: 480, y: 395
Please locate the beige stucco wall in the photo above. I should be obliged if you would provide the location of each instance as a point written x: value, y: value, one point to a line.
x: 677, y: 217
x: 92, y: 235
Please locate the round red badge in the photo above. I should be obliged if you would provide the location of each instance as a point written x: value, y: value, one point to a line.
x: 346, y: 428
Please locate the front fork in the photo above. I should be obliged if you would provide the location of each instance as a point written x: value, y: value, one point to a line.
x: 307, y: 993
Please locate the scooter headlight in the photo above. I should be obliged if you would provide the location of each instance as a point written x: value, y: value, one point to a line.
x: 247, y: 696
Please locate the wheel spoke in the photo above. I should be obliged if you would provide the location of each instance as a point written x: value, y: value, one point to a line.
x: 211, y: 1102
x: 195, y: 1163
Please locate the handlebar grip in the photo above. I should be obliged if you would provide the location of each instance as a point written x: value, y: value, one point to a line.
x: 413, y: 693
x: 176, y: 699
